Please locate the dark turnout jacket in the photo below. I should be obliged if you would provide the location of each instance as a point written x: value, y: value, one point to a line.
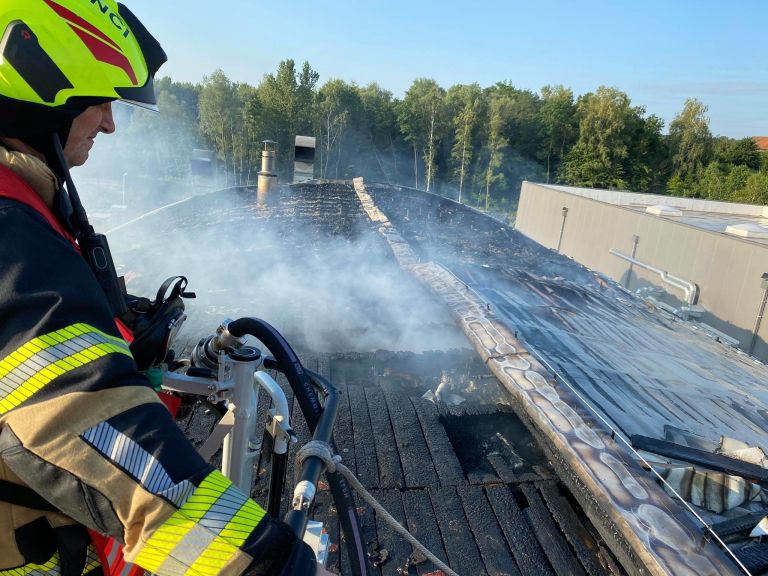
x: 82, y: 428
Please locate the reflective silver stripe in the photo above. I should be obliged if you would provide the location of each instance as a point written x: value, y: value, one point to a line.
x: 137, y: 462
x: 112, y: 554
x: 195, y: 542
x: 223, y: 510
x: 55, y: 353
x: 33, y: 365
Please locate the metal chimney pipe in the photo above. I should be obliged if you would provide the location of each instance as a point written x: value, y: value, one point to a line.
x: 267, y: 176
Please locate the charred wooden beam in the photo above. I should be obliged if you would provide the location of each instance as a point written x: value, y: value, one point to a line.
x: 716, y: 462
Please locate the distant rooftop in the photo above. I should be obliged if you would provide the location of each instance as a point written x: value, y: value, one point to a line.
x: 762, y: 142
x: 747, y: 221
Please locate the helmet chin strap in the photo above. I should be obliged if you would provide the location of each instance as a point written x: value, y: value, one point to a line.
x: 94, y: 247
x: 80, y: 222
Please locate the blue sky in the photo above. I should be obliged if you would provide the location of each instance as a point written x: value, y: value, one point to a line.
x: 658, y: 52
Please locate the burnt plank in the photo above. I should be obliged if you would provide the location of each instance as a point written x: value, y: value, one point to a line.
x: 575, y: 532
x: 418, y: 469
x: 342, y: 431
x: 463, y: 554
x: 754, y: 557
x: 324, y: 511
x: 502, y: 468
x: 365, y: 443
x: 552, y: 542
x: 493, y: 547
x: 199, y: 424
x: 737, y: 525
x: 701, y: 457
x: 522, y: 542
x: 423, y: 526
x: 397, y: 549
x: 324, y: 365
x: 367, y: 522
x: 390, y: 472
x: 446, y: 463
x: 482, y: 478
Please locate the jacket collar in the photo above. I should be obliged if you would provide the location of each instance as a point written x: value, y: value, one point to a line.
x: 34, y: 172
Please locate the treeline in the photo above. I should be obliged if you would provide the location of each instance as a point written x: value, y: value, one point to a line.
x: 469, y: 143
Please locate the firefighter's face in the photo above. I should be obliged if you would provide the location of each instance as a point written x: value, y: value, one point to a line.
x: 84, y: 129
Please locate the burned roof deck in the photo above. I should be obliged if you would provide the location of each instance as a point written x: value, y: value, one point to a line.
x: 498, y: 509
x: 569, y: 316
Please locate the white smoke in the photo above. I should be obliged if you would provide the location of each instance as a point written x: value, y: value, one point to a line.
x: 327, y: 283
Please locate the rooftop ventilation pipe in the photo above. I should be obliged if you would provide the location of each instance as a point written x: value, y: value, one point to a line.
x: 690, y: 289
x: 268, y: 175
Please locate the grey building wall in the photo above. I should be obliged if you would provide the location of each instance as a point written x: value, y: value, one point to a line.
x: 726, y: 269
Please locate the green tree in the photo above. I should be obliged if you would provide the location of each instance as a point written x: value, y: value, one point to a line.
x: 220, y: 110
x: 380, y: 121
x: 467, y: 103
x: 690, y: 140
x: 737, y: 180
x: 498, y: 114
x: 743, y: 152
x: 558, y: 119
x: 422, y: 120
x: 522, y: 126
x: 248, y: 133
x: 755, y: 190
x: 337, y: 101
x: 646, y: 166
x: 712, y: 183
x: 286, y: 107
x: 161, y: 143
x: 598, y: 157
x: 305, y: 99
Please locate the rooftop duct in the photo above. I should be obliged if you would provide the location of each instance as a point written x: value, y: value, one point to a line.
x: 690, y: 289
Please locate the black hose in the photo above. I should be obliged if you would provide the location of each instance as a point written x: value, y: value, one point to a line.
x: 342, y: 495
x: 276, y: 484
x: 288, y: 361
x: 303, y: 387
x: 313, y: 466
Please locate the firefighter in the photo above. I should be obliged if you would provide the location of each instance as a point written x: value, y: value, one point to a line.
x: 95, y: 477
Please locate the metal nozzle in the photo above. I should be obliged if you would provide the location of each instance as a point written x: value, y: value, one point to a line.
x: 206, y: 352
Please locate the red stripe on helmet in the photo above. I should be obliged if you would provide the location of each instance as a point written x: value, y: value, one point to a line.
x: 75, y: 19
x: 107, y: 54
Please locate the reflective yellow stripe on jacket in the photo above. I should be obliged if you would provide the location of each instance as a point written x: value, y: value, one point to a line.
x: 53, y: 567
x: 43, y: 359
x: 210, y: 526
